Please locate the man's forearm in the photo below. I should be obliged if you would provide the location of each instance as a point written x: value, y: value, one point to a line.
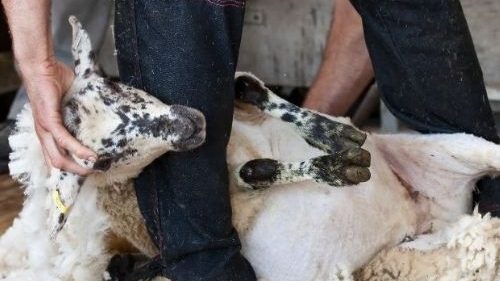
x: 30, y: 28
x: 46, y: 81
x: 346, y: 68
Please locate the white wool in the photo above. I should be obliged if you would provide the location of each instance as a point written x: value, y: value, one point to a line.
x: 81, y: 245
x: 27, y: 164
x: 476, y: 240
x: 26, y: 250
x: 468, y: 252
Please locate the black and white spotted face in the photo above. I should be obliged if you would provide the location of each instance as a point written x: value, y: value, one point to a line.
x: 126, y: 127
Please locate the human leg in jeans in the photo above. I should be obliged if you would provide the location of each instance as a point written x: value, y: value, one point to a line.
x: 428, y: 72
x: 185, y: 52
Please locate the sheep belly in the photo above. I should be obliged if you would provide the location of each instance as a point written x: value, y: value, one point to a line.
x: 311, y: 231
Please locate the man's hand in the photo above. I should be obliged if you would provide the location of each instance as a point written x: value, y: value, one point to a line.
x: 46, y: 83
x: 46, y: 79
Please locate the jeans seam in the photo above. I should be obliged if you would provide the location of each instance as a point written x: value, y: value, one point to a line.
x: 157, y: 216
x: 226, y: 3
x: 140, y: 83
x: 137, y: 68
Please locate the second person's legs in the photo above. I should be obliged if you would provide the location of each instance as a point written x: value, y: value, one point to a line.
x: 428, y: 72
x: 426, y: 66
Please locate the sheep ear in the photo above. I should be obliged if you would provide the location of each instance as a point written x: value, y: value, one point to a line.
x: 64, y: 189
x: 83, y: 55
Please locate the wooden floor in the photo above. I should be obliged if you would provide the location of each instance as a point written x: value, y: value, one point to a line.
x: 11, y: 197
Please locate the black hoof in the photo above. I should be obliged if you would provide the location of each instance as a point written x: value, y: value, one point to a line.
x: 346, y: 168
x: 260, y: 173
x: 249, y: 90
x: 132, y: 267
x: 354, y: 135
x: 356, y: 174
x: 357, y: 156
x: 120, y: 266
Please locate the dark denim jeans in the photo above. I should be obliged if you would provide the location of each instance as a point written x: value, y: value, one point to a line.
x: 428, y: 72
x: 185, y: 52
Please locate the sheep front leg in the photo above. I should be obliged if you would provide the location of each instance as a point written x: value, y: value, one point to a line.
x: 319, y: 131
x: 340, y: 169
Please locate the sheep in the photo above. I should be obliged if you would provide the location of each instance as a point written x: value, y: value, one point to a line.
x: 413, y: 209
x: 296, y: 223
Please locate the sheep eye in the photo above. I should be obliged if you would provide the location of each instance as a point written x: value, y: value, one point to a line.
x: 103, y: 164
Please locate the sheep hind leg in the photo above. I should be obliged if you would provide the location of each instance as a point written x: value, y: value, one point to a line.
x: 339, y: 169
x: 319, y: 131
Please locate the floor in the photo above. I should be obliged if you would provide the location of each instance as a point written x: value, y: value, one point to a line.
x: 11, y: 197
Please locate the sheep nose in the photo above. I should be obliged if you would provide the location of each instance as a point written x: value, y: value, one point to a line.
x: 183, y: 127
x: 189, y: 125
x: 188, y: 121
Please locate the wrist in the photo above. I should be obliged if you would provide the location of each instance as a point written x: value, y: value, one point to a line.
x: 32, y: 50
x: 40, y: 65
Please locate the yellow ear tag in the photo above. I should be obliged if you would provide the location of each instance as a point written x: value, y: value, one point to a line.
x: 56, y: 197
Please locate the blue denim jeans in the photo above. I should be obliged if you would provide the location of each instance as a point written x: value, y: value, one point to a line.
x: 428, y: 72
x: 185, y: 52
